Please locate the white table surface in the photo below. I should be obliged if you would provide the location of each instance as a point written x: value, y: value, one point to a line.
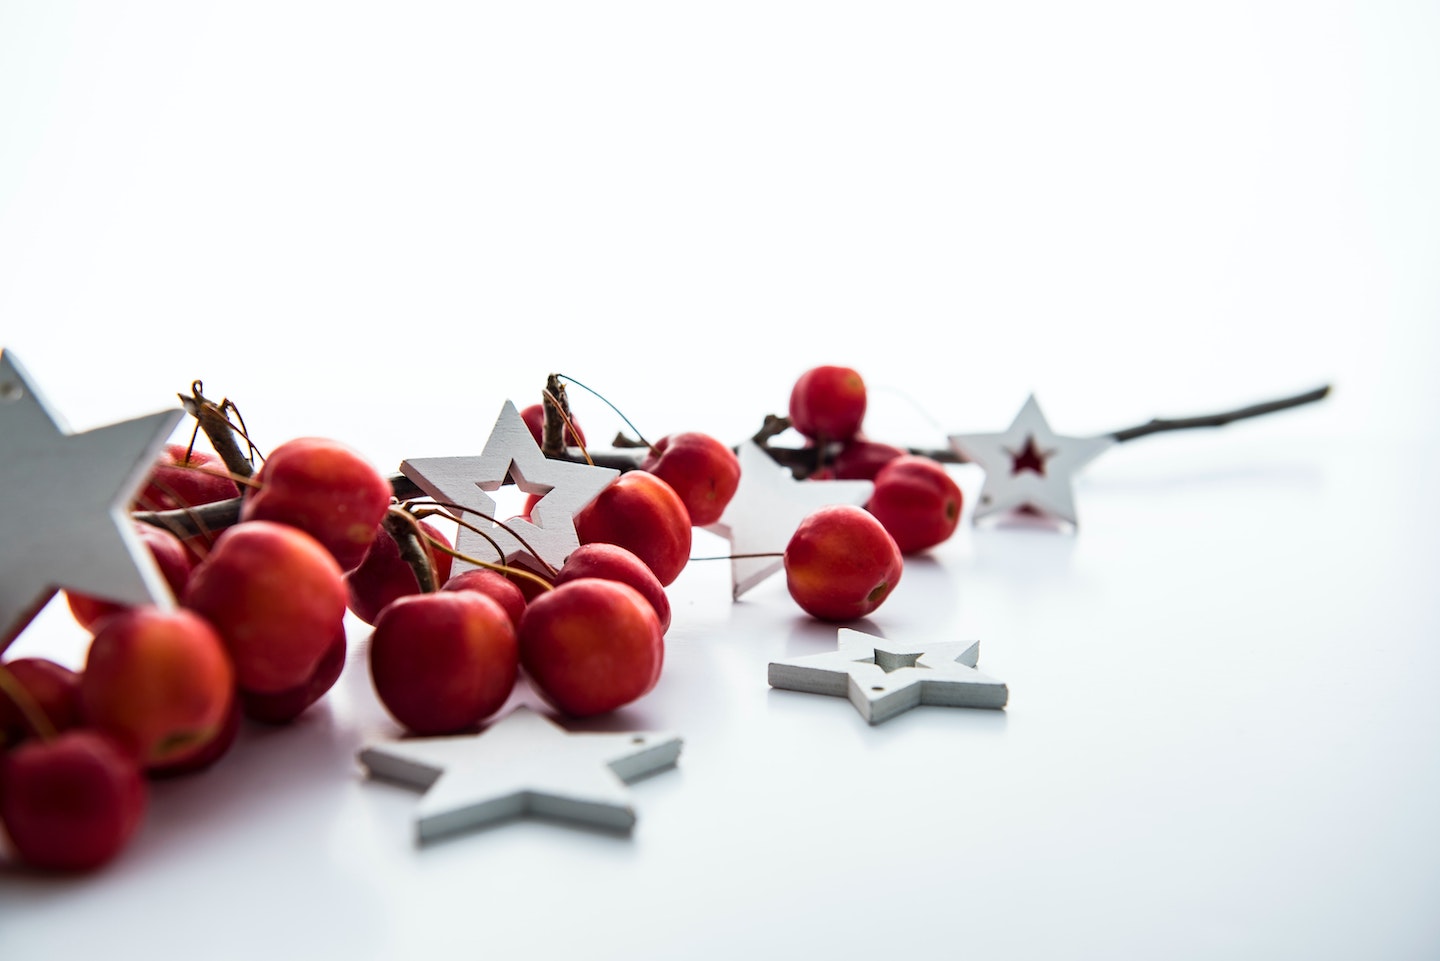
x: 377, y: 223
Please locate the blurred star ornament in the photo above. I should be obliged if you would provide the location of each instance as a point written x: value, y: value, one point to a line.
x: 64, y: 501
x: 523, y: 764
x: 511, y: 453
x: 767, y: 507
x: 883, y: 679
x: 1029, y: 466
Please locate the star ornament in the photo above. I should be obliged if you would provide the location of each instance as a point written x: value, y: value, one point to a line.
x: 882, y: 679
x: 511, y: 454
x: 1029, y: 466
x: 767, y: 507
x: 524, y: 764
x: 64, y: 505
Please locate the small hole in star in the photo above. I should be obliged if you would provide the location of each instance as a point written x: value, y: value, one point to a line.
x: 877, y: 688
x: 11, y: 391
x: 637, y: 740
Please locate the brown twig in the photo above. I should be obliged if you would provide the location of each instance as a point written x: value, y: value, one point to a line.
x: 214, y: 420
x: 1159, y: 425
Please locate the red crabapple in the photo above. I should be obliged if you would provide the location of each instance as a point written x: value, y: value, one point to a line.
x: 591, y: 646
x: 828, y: 403
x: 54, y: 689
x: 443, y: 662
x: 177, y: 482
x: 840, y: 564
x: 614, y: 563
x: 534, y: 418
x: 326, y: 490
x: 861, y: 459
x: 159, y: 682
x: 495, y: 586
x: 916, y: 501
x: 644, y: 515
x: 703, y: 471
x: 70, y: 804
x: 383, y: 575
x: 276, y: 597
x: 282, y: 707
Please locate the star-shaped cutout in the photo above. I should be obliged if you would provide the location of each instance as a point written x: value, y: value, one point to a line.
x: 767, y: 507
x: 1029, y: 466
x: 523, y: 764
x: 64, y: 505
x: 883, y: 679
x: 511, y: 453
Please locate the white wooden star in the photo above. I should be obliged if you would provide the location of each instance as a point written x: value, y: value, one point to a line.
x: 511, y: 452
x: 64, y: 505
x: 882, y: 679
x: 767, y: 507
x: 1029, y: 466
x: 522, y: 764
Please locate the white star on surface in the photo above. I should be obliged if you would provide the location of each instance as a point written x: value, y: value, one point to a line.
x: 883, y: 679
x: 64, y: 505
x: 1029, y: 465
x: 511, y: 452
x: 522, y: 764
x: 767, y: 507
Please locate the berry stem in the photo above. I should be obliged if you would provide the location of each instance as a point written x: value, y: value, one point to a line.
x: 505, y: 569
x: 497, y: 522
x: 733, y: 557
x: 1160, y: 425
x: 641, y: 437
x: 404, y: 528
x: 214, y: 420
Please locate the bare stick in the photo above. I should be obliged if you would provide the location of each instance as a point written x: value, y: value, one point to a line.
x: 1159, y: 425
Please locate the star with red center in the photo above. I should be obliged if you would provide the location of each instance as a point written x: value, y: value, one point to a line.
x: 1028, y: 467
x: 1029, y: 457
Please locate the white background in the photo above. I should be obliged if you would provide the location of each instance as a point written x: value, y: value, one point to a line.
x: 377, y: 222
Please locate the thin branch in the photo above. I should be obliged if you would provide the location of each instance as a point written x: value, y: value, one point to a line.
x: 214, y: 420
x: 1160, y: 425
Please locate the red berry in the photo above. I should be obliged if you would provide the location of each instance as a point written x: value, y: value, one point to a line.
x: 177, y: 481
x: 495, y: 586
x: 916, y: 501
x: 828, y: 403
x: 703, y: 471
x: 644, y: 515
x: 840, y: 564
x: 72, y: 803
x: 443, y: 662
x: 591, y: 646
x: 861, y: 459
x: 159, y: 682
x: 383, y: 575
x: 53, y: 688
x: 613, y: 563
x: 326, y: 490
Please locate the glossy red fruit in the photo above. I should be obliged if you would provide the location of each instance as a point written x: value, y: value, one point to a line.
x: 703, y: 471
x: 383, y: 575
x: 159, y: 682
x: 644, y: 515
x: 276, y: 597
x: 443, y: 662
x: 326, y: 490
x: 282, y: 707
x: 861, y: 459
x: 917, y: 502
x: 591, y: 646
x: 841, y: 564
x: 534, y: 418
x: 495, y: 586
x: 171, y: 556
x: 614, y: 563
x: 206, y: 753
x: 828, y: 403
x: 72, y: 803
x: 53, y: 688
x: 179, y: 481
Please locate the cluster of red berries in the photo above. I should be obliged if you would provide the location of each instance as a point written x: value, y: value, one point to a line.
x: 259, y: 632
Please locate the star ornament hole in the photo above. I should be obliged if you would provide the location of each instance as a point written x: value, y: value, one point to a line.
x: 1029, y: 457
x: 10, y: 391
